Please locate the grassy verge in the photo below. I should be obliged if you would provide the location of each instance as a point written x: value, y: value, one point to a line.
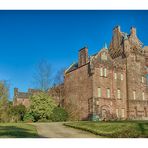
x: 17, y: 130
x: 125, y: 129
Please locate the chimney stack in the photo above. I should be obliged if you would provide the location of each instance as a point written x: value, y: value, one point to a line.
x: 83, y: 56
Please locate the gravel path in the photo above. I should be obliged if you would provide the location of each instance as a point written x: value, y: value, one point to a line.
x: 58, y: 130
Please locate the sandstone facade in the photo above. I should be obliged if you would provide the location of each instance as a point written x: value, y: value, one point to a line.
x: 111, y: 83
x: 23, y: 97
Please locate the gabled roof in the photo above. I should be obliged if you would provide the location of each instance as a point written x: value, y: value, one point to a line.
x: 72, y: 67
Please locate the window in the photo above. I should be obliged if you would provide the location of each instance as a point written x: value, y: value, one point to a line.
x: 103, y: 56
x: 143, y: 97
x: 117, y: 112
x: 101, y: 71
x: 121, y: 76
x: 118, y: 94
x: 134, y: 95
x: 104, y: 72
x: 108, y: 93
x: 99, y: 92
x: 97, y: 102
x: 142, y: 79
x: 122, y: 113
x: 115, y: 76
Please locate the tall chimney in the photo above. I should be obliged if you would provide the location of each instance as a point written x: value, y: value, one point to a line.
x: 83, y: 56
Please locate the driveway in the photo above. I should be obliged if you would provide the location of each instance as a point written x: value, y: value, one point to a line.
x: 58, y: 130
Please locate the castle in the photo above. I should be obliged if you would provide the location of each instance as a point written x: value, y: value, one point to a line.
x: 23, y: 98
x: 111, y: 83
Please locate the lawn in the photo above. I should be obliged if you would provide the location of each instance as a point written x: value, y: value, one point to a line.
x: 17, y: 130
x: 118, y: 129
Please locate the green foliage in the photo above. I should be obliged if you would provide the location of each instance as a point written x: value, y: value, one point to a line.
x: 28, y: 117
x: 4, y: 103
x: 122, y: 129
x: 59, y: 114
x: 16, y: 113
x: 41, y: 106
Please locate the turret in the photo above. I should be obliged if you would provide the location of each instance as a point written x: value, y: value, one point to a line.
x: 133, y: 31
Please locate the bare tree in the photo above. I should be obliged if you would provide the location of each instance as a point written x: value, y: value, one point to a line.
x: 57, y: 91
x: 59, y: 77
x: 43, y: 75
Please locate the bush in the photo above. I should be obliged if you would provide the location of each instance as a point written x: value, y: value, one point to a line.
x: 28, y: 117
x: 41, y: 106
x: 16, y: 113
x: 59, y: 114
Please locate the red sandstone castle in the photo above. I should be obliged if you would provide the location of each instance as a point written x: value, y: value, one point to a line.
x: 111, y: 83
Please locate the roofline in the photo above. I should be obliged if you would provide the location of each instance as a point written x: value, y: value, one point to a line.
x: 77, y: 68
x: 83, y: 48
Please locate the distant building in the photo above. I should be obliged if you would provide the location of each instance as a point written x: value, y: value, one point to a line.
x: 111, y: 83
x: 23, y: 97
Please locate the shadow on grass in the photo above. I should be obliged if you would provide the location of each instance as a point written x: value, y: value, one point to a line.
x: 16, y: 132
x: 144, y: 129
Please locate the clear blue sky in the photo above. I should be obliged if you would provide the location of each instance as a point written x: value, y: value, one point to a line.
x: 26, y: 37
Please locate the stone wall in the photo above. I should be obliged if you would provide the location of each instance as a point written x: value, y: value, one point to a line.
x: 78, y: 92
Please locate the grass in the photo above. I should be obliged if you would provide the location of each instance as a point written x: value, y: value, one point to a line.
x: 17, y: 130
x: 118, y: 129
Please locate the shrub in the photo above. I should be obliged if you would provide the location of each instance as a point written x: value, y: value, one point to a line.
x: 41, y: 106
x: 59, y: 114
x: 16, y: 113
x: 28, y: 117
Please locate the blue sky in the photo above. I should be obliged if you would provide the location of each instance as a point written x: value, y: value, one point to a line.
x: 26, y: 37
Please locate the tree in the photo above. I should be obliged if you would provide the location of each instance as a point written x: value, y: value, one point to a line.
x: 4, y: 103
x: 58, y: 87
x: 59, y: 77
x: 41, y: 106
x: 16, y: 113
x: 42, y: 76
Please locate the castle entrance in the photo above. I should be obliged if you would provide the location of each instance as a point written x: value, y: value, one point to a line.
x: 105, y: 112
